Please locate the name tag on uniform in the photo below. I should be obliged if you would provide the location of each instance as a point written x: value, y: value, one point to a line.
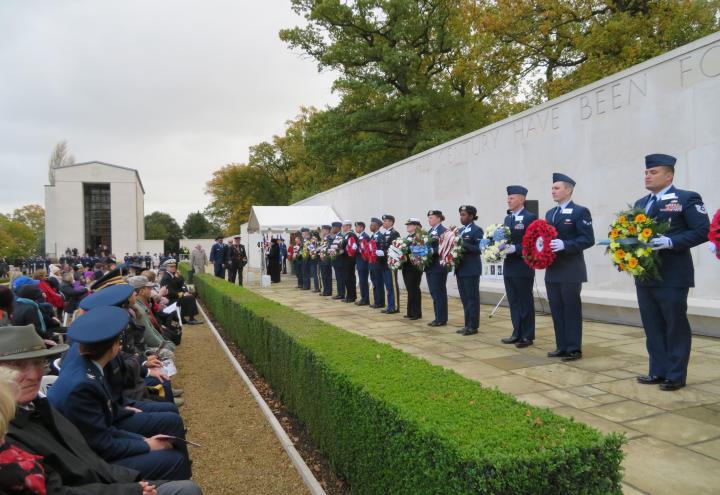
x: 567, y: 211
x: 519, y: 219
x: 668, y: 196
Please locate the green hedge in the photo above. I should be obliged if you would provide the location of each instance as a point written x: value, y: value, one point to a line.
x: 392, y: 423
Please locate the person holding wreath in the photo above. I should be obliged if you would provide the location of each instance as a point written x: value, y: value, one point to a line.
x: 412, y: 275
x: 468, y: 270
x: 564, y: 278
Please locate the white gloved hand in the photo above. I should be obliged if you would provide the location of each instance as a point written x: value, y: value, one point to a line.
x: 661, y: 242
x: 511, y: 249
x: 557, y: 245
x: 379, y: 253
x: 712, y: 247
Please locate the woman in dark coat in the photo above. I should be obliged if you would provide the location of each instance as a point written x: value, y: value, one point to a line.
x: 274, y: 261
x: 177, y: 292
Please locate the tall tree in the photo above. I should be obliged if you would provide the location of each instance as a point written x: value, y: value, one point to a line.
x: 17, y: 240
x: 162, y: 226
x: 60, y: 157
x: 33, y: 216
x: 197, y: 226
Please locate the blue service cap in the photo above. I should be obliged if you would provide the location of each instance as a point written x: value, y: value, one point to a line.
x: 114, y: 295
x: 337, y: 224
x: 388, y: 217
x: 517, y: 190
x: 376, y: 221
x: 104, y: 323
x: 470, y: 209
x: 326, y: 227
x: 660, y: 160
x: 557, y: 177
x: 23, y: 280
x: 304, y: 229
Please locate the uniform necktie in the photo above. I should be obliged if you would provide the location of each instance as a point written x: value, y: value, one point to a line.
x: 650, y: 203
x: 557, y: 210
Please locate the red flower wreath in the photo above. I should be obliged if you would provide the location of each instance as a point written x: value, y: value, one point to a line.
x: 714, y: 234
x: 536, y: 245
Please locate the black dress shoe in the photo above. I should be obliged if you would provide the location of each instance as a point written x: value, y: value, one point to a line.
x: 523, y: 343
x: 316, y: 290
x: 650, y: 380
x: 414, y: 317
x: 440, y: 324
x: 362, y: 303
x: 557, y: 353
x: 509, y: 340
x: 432, y: 323
x: 338, y: 297
x: 390, y: 311
x: 572, y: 356
x: 406, y: 316
x: 461, y: 331
x: 469, y: 331
x: 669, y: 385
x: 348, y: 300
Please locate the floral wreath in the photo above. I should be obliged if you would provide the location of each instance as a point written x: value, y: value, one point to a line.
x: 714, y: 234
x: 536, y: 245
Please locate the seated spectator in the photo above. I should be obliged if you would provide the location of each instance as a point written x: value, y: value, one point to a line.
x: 30, y: 308
x: 70, y: 466
x: 20, y: 471
x: 71, y: 292
x: 177, y: 292
x: 6, y: 305
x: 144, y: 317
x: 51, y: 294
x: 81, y: 394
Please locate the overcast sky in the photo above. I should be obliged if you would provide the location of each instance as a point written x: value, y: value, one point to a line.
x: 173, y: 88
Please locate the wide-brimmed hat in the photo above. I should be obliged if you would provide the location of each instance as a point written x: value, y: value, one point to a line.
x: 24, y: 343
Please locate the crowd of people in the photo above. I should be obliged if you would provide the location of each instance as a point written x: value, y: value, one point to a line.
x: 87, y: 359
x: 361, y: 259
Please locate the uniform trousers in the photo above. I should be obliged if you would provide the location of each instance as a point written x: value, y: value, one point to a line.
x: 339, y: 278
x: 437, y: 284
x: 469, y: 289
x: 391, y: 287
x: 349, y: 279
x: 362, y: 273
x: 412, y: 278
x: 566, y: 309
x: 376, y: 277
x: 326, y: 276
x: 519, y: 291
x: 663, y: 311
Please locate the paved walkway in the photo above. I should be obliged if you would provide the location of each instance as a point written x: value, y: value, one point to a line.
x: 674, y: 437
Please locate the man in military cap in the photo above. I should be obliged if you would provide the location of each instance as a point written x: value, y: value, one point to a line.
x: 389, y: 276
x: 305, y: 260
x: 337, y: 245
x: 467, y: 273
x: 217, y: 256
x: 436, y: 273
x: 517, y: 275
x: 324, y: 264
x: 235, y: 260
x: 564, y: 278
x: 663, y: 301
x: 349, y: 252
x: 375, y: 266
x: 362, y: 263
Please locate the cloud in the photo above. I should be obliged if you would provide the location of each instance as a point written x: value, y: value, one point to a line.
x: 175, y: 89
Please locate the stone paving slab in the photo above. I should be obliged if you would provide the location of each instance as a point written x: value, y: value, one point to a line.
x: 674, y: 437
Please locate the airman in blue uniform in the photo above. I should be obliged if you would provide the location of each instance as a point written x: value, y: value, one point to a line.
x: 337, y: 263
x: 362, y: 265
x: 564, y: 278
x: 376, y: 268
x: 389, y: 276
x: 217, y: 257
x: 517, y: 275
x: 467, y: 273
x: 436, y: 274
x: 82, y: 396
x: 663, y: 301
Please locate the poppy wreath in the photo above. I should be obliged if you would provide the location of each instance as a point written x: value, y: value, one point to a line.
x: 536, y: 245
x: 714, y: 234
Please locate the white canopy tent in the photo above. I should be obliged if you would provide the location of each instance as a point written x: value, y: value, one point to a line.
x: 278, y: 219
x: 281, y: 221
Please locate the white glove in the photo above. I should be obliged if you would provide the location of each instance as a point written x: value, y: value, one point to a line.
x: 511, y: 249
x: 661, y: 242
x: 557, y: 245
x: 379, y: 253
x: 712, y: 248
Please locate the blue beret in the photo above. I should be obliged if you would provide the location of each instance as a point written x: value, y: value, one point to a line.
x: 517, y: 190
x: 658, y: 160
x: 325, y: 227
x: 337, y: 224
x: 114, y: 295
x: 102, y: 324
x: 388, y: 217
x: 470, y: 209
x: 562, y: 178
x: 376, y: 221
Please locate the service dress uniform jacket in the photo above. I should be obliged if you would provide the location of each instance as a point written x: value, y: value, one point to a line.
x: 389, y: 276
x: 467, y: 274
x: 663, y: 301
x: 376, y: 271
x: 363, y: 268
x: 436, y: 276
